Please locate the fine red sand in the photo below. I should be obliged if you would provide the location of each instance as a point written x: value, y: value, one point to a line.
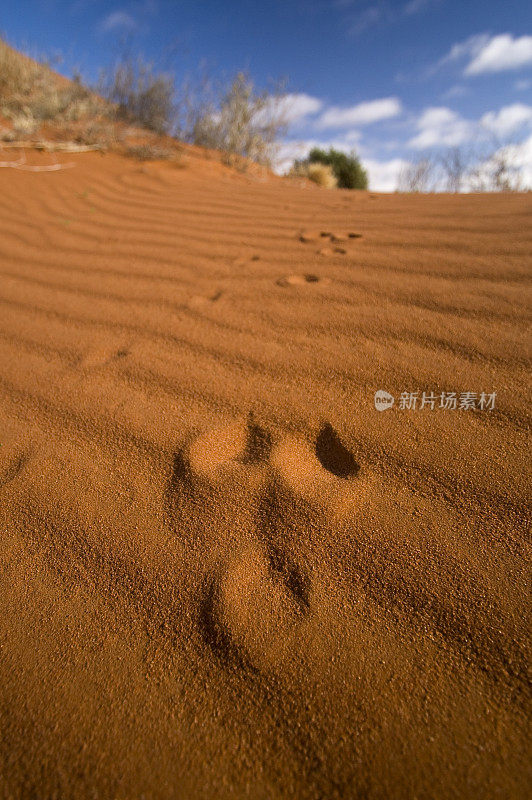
x: 224, y: 573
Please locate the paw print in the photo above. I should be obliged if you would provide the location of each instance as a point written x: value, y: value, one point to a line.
x: 258, y: 491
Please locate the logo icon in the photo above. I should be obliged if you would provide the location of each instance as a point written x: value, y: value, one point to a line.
x: 383, y: 400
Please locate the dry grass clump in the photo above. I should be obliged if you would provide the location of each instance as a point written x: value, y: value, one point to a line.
x: 137, y: 93
x: 100, y: 132
x: 17, y: 73
x: 31, y: 93
x: 243, y: 124
x: 24, y: 125
x: 148, y: 152
x: 321, y: 174
x: 233, y: 118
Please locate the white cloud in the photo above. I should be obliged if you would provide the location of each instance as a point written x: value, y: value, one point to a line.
x: 522, y: 86
x: 441, y: 127
x: 437, y: 117
x: 382, y: 12
x: 415, y: 6
x: 383, y: 175
x: 455, y: 91
x: 507, y: 120
x: 370, y: 16
x: 521, y: 158
x: 296, y: 107
x: 291, y: 109
x: 501, y: 53
x: 117, y: 20
x: 487, y: 54
x: 361, y: 114
x: 469, y: 48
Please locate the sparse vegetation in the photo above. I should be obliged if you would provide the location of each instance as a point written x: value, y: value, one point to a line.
x: 30, y: 93
x: 18, y: 75
x: 322, y: 174
x: 455, y: 163
x: 148, y: 152
x: 419, y: 176
x: 347, y: 169
x: 234, y: 118
x: 139, y: 94
x: 460, y: 169
x: 497, y: 172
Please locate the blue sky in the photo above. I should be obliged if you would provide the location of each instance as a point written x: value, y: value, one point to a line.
x: 393, y: 79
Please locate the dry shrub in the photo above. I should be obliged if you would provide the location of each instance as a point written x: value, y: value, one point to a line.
x: 231, y: 117
x: 31, y: 92
x: 100, y: 132
x: 418, y: 176
x: 17, y: 73
x: 235, y: 119
x: 148, y: 152
x: 139, y: 94
x: 322, y: 174
x: 24, y: 125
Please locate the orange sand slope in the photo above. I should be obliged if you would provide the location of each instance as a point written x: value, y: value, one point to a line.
x: 224, y: 573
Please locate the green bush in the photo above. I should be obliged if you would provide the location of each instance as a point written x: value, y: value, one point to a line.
x: 349, y: 172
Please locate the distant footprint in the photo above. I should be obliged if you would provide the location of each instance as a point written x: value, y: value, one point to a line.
x: 301, y: 280
x: 198, y: 300
x: 241, y: 261
x: 13, y: 459
x: 336, y: 237
x: 344, y: 237
x: 309, y: 236
x: 102, y: 356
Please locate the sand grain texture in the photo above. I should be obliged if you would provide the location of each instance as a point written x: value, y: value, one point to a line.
x: 224, y: 574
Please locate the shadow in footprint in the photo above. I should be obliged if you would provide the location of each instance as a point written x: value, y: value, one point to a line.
x: 213, y: 632
x: 251, y: 611
x: 258, y: 445
x: 298, y: 279
x: 180, y: 471
x: 333, y: 455
x: 13, y: 468
x: 295, y: 581
x: 277, y: 524
x: 102, y: 357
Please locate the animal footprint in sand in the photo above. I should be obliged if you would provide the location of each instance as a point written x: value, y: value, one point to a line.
x: 254, y: 609
x: 320, y: 474
x: 199, y: 300
x: 102, y: 356
x: 336, y: 237
x: 256, y: 603
x: 231, y: 450
x: 301, y: 280
x: 13, y: 459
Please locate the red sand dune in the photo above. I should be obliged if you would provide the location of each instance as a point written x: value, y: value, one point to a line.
x: 224, y: 573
